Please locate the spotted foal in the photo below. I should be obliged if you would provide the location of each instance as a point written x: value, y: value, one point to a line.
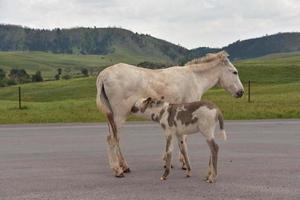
x: 184, y: 119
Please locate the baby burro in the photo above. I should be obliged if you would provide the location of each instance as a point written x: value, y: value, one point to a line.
x: 179, y: 120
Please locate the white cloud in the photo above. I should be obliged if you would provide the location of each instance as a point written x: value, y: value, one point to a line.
x: 191, y: 23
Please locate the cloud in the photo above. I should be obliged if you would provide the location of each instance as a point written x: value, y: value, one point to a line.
x: 191, y: 23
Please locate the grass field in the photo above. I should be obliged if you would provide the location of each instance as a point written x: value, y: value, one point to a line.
x: 274, y: 94
x: 48, y: 63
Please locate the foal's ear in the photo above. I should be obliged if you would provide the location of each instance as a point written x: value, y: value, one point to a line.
x: 149, y: 99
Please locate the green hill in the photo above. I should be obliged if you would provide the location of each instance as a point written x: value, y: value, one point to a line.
x: 254, y: 47
x: 95, y: 41
x: 122, y: 42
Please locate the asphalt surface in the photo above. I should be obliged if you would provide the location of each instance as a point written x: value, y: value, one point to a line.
x: 260, y: 160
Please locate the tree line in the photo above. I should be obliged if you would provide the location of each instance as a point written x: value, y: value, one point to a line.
x: 20, y: 76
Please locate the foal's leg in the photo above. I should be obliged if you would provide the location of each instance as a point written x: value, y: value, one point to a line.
x: 181, y: 156
x: 182, y: 147
x: 212, y: 171
x: 169, y: 148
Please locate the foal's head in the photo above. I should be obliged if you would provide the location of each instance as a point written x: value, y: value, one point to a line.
x: 144, y: 104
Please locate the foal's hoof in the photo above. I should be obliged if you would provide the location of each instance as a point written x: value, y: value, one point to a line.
x: 120, y: 175
x: 166, y: 166
x: 210, y: 181
x: 188, y: 174
x: 183, y: 168
x: 163, y: 178
x: 127, y: 170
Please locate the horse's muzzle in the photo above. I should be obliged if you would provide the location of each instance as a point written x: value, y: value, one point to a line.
x: 239, y: 94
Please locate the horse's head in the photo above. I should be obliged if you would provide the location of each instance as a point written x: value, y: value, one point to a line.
x: 229, y: 78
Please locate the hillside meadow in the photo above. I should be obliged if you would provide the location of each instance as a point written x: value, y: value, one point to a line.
x: 274, y: 94
x: 71, y: 64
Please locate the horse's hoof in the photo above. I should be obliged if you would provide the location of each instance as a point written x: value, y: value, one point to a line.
x: 120, y: 175
x: 163, y: 178
x: 183, y: 168
x: 127, y: 170
x: 165, y: 166
x: 172, y: 166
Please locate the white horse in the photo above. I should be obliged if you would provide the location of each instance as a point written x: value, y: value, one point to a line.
x: 121, y: 85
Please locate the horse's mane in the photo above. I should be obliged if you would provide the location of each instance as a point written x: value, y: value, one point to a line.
x: 209, y: 58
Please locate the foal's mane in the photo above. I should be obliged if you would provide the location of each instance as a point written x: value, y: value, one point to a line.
x: 209, y: 58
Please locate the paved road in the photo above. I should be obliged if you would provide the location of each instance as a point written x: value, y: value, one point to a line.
x: 261, y: 160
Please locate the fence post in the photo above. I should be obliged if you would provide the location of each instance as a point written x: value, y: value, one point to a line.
x: 20, y: 106
x: 249, y: 92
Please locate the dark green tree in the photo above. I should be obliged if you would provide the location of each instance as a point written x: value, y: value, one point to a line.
x: 57, y: 76
x: 19, y: 75
x: 85, y: 71
x: 2, y: 74
x: 59, y: 71
x: 37, y: 77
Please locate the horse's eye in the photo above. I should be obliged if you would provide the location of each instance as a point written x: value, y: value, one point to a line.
x: 235, y: 72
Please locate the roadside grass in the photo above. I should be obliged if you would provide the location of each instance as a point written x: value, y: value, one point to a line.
x: 73, y: 89
x: 267, y: 102
x: 65, y: 111
x: 67, y: 104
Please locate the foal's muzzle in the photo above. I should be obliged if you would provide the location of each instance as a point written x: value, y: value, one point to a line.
x: 239, y: 93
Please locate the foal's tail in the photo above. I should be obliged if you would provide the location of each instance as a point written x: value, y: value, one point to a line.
x: 221, y: 123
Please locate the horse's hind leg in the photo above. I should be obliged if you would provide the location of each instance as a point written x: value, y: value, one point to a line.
x: 113, y: 147
x: 119, y: 121
x: 116, y: 159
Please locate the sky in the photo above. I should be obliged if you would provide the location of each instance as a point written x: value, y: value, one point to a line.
x: 189, y: 23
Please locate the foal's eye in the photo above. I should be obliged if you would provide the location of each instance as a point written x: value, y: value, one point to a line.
x: 235, y: 73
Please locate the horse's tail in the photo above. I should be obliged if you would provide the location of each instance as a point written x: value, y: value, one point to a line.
x: 102, y: 100
x: 104, y: 105
x: 221, y: 124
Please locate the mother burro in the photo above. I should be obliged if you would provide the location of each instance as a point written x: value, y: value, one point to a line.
x: 121, y: 85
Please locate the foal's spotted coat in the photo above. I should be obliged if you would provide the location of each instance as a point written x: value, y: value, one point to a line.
x: 184, y: 119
